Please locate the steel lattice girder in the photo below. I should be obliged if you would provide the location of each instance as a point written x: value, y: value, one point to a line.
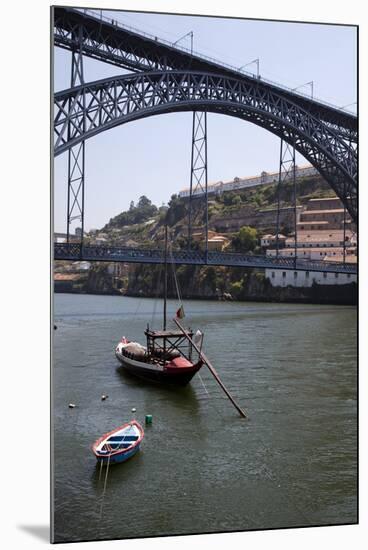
x: 198, y: 198
x: 73, y: 251
x: 125, y: 48
x: 89, y: 109
x: 76, y: 159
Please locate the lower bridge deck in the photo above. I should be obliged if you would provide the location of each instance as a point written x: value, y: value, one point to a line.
x: 91, y: 253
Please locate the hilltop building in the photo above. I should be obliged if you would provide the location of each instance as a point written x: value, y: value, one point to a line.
x: 235, y: 184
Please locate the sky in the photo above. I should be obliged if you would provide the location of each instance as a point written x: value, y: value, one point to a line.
x: 152, y: 156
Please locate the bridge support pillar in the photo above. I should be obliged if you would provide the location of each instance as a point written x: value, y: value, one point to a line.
x: 76, y: 157
x: 344, y: 231
x: 287, y: 172
x: 198, y: 194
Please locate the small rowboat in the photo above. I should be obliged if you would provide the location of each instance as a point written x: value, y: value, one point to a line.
x: 119, y: 444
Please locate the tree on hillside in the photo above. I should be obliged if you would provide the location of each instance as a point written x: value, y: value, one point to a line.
x: 176, y: 211
x: 246, y: 239
x: 143, y: 211
x: 143, y: 202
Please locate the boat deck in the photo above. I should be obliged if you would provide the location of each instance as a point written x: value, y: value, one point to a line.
x: 165, y: 333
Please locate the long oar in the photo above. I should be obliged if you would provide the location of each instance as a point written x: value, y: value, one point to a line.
x: 211, y: 368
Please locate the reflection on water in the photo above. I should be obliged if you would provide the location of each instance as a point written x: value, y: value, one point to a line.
x: 201, y: 468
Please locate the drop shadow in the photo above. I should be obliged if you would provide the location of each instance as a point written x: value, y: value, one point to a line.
x: 41, y: 532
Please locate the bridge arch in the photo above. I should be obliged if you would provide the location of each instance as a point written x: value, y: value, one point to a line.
x: 87, y: 110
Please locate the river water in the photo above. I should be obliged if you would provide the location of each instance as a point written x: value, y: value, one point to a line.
x: 201, y: 467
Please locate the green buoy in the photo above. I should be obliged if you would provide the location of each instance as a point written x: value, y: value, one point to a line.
x: 148, y: 418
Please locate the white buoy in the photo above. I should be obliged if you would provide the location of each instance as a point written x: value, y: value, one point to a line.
x: 103, y: 397
x: 71, y: 406
x: 134, y: 410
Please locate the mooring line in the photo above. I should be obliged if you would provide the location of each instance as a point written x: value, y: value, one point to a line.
x: 205, y: 389
x: 99, y: 476
x: 104, y: 491
x: 211, y: 398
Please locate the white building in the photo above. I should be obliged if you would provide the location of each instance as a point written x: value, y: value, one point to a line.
x: 270, y: 240
x: 333, y: 253
x: 236, y: 183
x: 281, y: 278
x: 319, y: 239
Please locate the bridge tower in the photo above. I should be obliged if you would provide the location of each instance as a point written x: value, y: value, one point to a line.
x: 76, y: 154
x: 198, y: 194
x: 287, y: 171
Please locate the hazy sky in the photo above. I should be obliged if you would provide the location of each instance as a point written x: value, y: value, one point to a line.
x: 152, y: 156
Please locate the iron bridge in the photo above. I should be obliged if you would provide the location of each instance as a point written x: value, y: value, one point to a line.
x: 75, y: 252
x: 165, y: 78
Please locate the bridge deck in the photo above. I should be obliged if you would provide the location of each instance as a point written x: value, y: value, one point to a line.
x: 75, y: 252
x: 110, y: 41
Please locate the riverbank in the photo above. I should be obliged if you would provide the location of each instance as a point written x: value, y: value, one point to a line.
x: 317, y: 294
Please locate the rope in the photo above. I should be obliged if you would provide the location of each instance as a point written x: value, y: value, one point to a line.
x: 174, y: 273
x: 156, y: 294
x: 137, y: 308
x: 104, y: 488
x: 203, y: 384
x: 99, y: 475
x: 211, y: 401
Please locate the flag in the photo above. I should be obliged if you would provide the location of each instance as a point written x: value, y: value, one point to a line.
x: 198, y: 337
x: 180, y: 313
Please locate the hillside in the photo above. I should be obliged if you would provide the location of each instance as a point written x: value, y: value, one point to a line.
x: 143, y: 223
x: 239, y: 217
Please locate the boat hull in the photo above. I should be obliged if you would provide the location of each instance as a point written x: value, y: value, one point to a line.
x: 180, y: 376
x: 117, y: 458
x: 118, y: 445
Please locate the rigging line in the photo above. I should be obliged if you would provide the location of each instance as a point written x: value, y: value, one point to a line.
x: 137, y: 308
x: 174, y: 273
x: 156, y: 295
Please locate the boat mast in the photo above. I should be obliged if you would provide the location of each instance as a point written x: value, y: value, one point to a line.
x: 165, y: 277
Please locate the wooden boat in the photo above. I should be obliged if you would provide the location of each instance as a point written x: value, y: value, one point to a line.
x: 168, y: 357
x: 120, y: 444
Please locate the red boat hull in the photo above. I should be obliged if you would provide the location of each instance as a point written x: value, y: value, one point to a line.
x: 176, y: 372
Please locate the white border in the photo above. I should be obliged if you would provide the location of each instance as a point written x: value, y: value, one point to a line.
x: 25, y: 267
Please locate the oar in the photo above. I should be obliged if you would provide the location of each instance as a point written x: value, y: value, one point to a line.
x: 212, y: 370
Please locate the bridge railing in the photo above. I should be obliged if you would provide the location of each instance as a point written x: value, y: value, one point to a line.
x: 115, y: 22
x: 74, y: 251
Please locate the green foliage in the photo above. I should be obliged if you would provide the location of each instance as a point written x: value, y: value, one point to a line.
x: 260, y: 276
x: 230, y: 199
x: 143, y: 211
x: 176, y: 211
x: 246, y: 239
x: 236, y: 289
x: 208, y: 277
